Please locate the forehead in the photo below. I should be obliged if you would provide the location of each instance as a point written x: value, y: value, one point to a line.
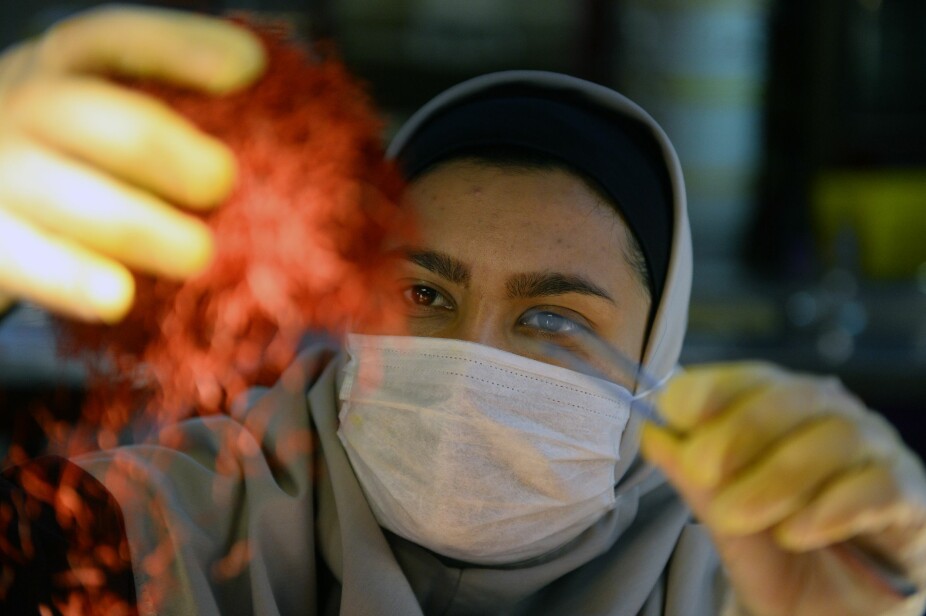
x: 520, y: 219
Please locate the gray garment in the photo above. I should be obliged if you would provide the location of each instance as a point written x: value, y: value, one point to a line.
x: 272, y: 482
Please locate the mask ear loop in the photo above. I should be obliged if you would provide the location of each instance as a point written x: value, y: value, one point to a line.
x: 651, y: 385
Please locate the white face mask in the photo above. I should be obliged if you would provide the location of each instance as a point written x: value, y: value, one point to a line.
x: 476, y: 453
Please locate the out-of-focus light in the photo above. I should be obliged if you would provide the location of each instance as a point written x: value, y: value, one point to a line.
x: 802, y: 309
x: 836, y: 346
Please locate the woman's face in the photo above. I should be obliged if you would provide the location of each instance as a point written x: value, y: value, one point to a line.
x: 510, y: 257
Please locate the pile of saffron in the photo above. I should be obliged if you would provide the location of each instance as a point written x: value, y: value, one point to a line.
x: 300, y: 246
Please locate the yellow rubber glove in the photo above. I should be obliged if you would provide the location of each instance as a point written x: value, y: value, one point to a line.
x: 87, y: 167
x: 796, y: 481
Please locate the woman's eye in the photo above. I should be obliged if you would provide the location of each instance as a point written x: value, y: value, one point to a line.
x: 421, y: 295
x: 549, y: 322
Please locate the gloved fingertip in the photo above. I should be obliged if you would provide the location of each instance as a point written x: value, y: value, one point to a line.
x: 110, y: 293
x: 701, y: 392
x: 685, y: 399
x: 242, y: 60
x: 199, y: 250
x: 212, y: 174
x: 661, y: 447
x: 796, y: 536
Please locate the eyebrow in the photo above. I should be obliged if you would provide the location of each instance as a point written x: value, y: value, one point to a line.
x: 544, y: 284
x: 442, y: 264
x: 518, y: 286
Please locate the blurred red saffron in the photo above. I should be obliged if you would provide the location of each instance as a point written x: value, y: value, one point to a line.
x: 300, y: 245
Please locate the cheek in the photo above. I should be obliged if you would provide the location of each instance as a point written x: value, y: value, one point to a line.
x: 432, y: 327
x: 635, y: 332
x: 393, y: 326
x: 628, y: 330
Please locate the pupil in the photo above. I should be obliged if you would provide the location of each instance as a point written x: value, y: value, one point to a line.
x: 424, y: 296
x: 551, y: 321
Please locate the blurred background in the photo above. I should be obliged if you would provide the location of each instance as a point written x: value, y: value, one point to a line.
x: 800, y: 124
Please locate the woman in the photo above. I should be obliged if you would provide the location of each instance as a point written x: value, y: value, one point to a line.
x: 552, y: 217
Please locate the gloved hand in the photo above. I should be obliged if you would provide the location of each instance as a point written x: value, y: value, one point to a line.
x: 87, y: 166
x: 795, y: 479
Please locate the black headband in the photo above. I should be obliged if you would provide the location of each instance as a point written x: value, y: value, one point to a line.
x: 617, y: 153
